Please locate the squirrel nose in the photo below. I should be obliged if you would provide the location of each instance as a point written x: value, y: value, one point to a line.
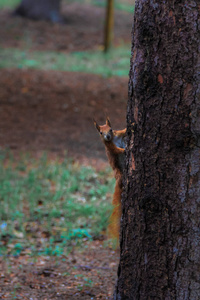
x: 108, y: 137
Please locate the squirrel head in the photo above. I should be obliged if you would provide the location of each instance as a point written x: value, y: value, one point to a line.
x: 105, y: 131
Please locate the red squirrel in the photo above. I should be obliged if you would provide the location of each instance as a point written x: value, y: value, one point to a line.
x: 114, y: 141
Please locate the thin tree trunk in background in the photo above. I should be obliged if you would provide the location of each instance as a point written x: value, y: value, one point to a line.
x: 160, y: 228
x: 40, y: 10
x: 109, y: 25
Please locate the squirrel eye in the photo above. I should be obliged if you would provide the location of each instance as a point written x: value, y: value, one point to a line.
x: 100, y: 132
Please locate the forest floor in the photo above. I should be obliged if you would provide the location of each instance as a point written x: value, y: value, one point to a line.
x: 82, y: 274
x: 53, y: 111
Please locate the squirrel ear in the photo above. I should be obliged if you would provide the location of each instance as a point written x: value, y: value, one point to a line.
x: 96, y: 125
x: 108, y: 122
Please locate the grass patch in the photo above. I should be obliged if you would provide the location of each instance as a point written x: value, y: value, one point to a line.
x: 47, y: 207
x: 9, y: 4
x: 114, y: 63
x: 117, y: 5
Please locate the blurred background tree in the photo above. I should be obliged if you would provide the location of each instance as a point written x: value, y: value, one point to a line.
x: 40, y: 10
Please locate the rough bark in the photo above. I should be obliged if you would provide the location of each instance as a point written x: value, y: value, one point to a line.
x: 160, y: 227
x: 40, y: 10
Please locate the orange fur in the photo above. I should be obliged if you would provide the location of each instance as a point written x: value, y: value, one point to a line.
x: 114, y: 224
x: 114, y: 145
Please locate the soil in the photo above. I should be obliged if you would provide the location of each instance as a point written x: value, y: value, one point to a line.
x: 53, y: 112
x: 85, y: 275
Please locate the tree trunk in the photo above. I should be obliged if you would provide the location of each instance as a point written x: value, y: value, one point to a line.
x: 160, y: 227
x: 109, y: 25
x: 40, y: 10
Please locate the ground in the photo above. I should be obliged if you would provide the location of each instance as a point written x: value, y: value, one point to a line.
x: 53, y: 112
x: 85, y: 275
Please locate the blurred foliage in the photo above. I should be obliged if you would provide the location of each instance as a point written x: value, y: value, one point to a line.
x: 115, y: 62
x: 118, y: 5
x: 102, y: 3
x: 9, y: 3
x: 47, y: 207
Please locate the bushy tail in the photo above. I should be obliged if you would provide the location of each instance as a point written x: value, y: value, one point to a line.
x: 114, y: 222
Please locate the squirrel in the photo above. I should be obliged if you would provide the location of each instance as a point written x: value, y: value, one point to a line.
x: 114, y: 141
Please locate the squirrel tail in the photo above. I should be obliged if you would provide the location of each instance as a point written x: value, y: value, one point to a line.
x: 114, y: 222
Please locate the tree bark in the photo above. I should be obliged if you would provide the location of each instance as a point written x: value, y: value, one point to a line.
x: 40, y: 10
x: 160, y: 227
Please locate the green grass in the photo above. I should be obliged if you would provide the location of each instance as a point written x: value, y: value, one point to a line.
x: 119, y: 5
x: 116, y: 62
x: 48, y: 206
x: 9, y: 4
